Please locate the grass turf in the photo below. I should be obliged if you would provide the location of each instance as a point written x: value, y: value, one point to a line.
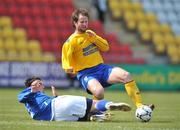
x: 13, y: 115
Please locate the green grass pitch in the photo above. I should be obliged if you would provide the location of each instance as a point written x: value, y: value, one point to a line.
x: 13, y: 115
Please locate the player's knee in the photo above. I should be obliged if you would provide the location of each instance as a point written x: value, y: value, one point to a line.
x: 127, y: 77
x: 99, y: 94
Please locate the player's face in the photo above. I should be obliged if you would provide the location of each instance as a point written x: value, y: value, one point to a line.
x: 82, y: 24
x: 38, y: 85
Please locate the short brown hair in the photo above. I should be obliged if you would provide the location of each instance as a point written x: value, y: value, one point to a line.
x: 76, y: 13
x: 29, y: 81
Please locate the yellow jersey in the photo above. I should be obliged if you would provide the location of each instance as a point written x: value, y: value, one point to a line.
x: 82, y: 51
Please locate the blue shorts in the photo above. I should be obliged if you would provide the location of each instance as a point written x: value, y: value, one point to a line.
x: 100, y: 72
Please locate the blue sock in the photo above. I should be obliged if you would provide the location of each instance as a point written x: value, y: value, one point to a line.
x: 101, y: 105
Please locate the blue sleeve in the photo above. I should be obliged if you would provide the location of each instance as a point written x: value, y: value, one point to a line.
x: 25, y: 95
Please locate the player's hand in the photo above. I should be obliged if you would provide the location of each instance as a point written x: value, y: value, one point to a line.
x: 34, y: 89
x: 69, y: 70
x: 38, y: 86
x: 54, y: 92
x: 90, y: 33
x: 92, y: 36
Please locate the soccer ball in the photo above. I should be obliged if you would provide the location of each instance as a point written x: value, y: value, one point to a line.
x: 143, y: 113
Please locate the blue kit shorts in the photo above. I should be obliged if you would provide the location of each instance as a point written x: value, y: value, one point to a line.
x: 100, y: 72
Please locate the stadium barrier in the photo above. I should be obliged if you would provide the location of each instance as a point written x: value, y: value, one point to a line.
x: 154, y: 77
x: 13, y: 74
x: 148, y: 77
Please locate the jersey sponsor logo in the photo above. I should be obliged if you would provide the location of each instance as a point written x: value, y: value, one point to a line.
x: 90, y: 52
x: 89, y: 49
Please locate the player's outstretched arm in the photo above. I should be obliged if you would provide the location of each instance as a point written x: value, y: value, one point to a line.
x: 54, y: 92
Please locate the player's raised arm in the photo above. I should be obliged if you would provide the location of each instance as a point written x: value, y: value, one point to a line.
x: 54, y: 92
x: 101, y: 43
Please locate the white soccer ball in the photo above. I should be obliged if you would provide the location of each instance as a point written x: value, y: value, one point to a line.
x: 143, y: 113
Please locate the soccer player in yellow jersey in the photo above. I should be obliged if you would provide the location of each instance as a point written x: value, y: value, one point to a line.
x: 81, y: 56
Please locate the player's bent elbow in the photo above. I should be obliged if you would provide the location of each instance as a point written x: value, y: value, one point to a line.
x: 106, y: 49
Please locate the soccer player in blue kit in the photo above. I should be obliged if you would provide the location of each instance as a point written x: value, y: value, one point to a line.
x: 64, y: 107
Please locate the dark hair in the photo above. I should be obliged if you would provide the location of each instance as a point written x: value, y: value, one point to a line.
x: 29, y: 81
x: 76, y: 13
